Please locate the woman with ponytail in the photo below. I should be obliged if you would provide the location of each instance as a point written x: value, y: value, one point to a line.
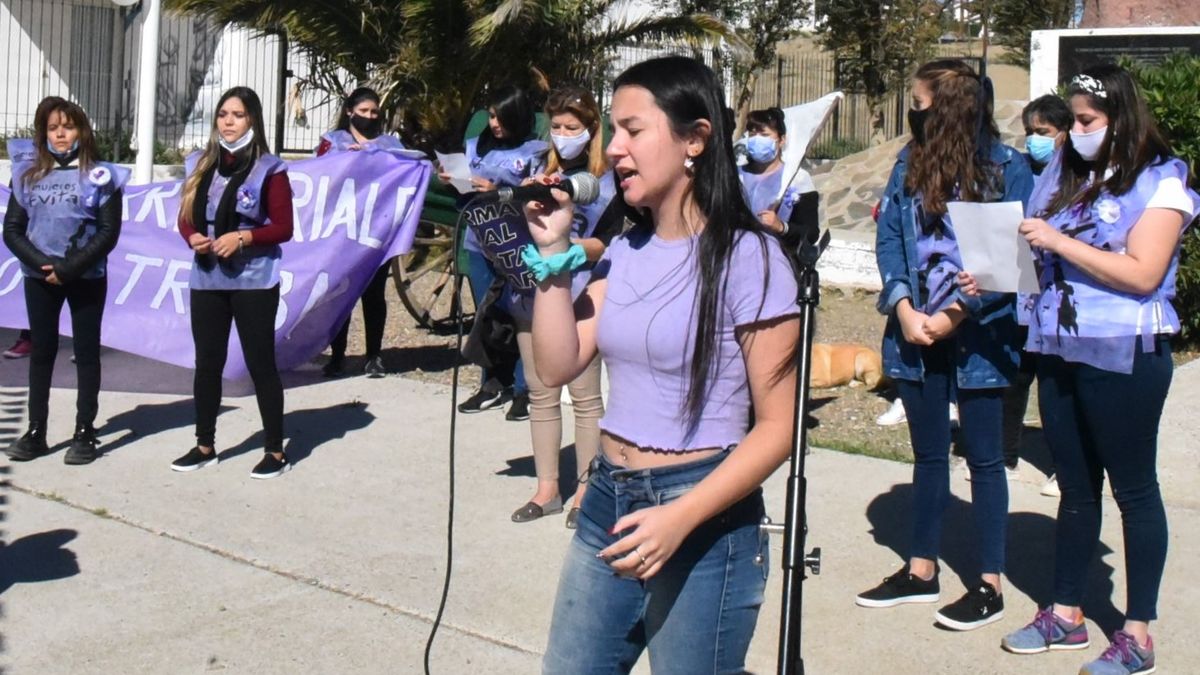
x: 694, y: 313
x: 941, y: 344
x: 63, y: 219
x: 235, y: 211
x: 360, y: 128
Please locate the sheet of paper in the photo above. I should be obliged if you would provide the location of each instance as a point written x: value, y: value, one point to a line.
x: 459, y: 169
x: 992, y: 250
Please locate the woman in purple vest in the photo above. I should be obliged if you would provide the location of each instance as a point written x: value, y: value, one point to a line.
x: 576, y: 146
x: 694, y: 313
x: 235, y: 211
x: 63, y: 219
x: 360, y: 127
x: 941, y: 345
x: 1105, y: 223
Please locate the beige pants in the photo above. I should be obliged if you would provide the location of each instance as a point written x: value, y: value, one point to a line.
x: 545, y: 413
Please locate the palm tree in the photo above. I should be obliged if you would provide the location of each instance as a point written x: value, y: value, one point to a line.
x: 432, y: 60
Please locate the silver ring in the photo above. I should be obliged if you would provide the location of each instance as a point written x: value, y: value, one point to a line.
x: 638, y: 551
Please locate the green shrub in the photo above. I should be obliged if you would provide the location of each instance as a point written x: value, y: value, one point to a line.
x: 1172, y: 92
x: 836, y: 148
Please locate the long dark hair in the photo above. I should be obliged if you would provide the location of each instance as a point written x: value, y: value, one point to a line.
x: 44, y: 164
x: 212, y: 152
x: 1132, y: 143
x: 688, y: 91
x: 959, y: 134
x: 351, y: 102
x: 515, y: 113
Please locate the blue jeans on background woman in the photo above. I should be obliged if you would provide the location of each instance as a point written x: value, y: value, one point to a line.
x: 696, y: 616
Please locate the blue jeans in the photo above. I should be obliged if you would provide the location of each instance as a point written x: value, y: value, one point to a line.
x: 480, y: 274
x: 696, y: 616
x: 1096, y: 421
x: 927, y: 405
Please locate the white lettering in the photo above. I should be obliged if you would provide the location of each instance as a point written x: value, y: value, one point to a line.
x: 173, y: 286
x: 16, y: 278
x: 364, y: 228
x: 319, y: 209
x: 285, y: 285
x: 140, y: 263
x: 345, y: 213
x: 155, y: 200
x: 299, y: 199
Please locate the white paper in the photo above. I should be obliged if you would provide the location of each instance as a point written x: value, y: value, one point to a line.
x: 991, y: 248
x: 459, y: 169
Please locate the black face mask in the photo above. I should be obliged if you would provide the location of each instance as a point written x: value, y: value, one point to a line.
x: 367, y: 126
x: 916, y: 124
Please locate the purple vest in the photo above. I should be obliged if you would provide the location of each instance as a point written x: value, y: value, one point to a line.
x: 504, y: 167
x: 63, y: 205
x: 257, y: 267
x: 1079, y: 318
x: 340, y: 140
x: 518, y: 297
x: 765, y: 192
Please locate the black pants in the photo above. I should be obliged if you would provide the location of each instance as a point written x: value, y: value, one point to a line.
x: 43, y: 302
x: 254, y: 313
x: 374, y: 308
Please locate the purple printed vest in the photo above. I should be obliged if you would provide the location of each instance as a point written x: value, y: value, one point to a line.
x: 504, y: 167
x: 1077, y: 317
x: 256, y: 267
x: 341, y: 140
x: 63, y: 205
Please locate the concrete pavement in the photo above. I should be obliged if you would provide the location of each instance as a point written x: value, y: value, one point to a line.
x: 125, y: 566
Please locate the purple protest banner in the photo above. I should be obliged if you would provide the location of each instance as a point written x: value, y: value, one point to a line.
x: 354, y: 211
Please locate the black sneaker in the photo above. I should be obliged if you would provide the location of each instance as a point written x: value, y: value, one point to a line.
x: 979, y: 607
x: 269, y: 467
x: 374, y: 367
x: 195, y: 459
x: 83, y: 446
x: 334, y: 368
x: 29, y: 446
x: 899, y: 589
x: 485, y: 399
x: 519, y: 410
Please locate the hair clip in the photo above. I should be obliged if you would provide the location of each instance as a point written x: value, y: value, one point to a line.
x: 1090, y: 85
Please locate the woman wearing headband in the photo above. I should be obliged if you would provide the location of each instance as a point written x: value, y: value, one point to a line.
x: 235, y: 211
x: 360, y: 127
x: 941, y: 344
x: 1105, y: 224
x: 694, y: 312
x: 63, y: 219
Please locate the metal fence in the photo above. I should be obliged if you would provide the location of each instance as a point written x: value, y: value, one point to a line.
x: 88, y: 51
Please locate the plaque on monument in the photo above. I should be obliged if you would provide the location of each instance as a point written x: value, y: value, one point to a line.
x: 1076, y: 52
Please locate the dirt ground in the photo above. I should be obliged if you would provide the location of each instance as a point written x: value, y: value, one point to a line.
x: 841, y: 418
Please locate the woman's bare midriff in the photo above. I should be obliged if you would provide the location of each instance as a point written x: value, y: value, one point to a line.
x: 627, y: 454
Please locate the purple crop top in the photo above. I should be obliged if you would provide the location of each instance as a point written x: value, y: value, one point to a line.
x: 646, y: 335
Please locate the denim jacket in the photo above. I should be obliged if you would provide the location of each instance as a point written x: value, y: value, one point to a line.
x: 986, y: 341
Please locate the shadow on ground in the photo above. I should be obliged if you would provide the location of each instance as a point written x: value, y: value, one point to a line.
x: 36, y: 558
x: 1030, y: 558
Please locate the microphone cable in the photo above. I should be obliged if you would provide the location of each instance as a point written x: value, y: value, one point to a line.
x: 457, y: 304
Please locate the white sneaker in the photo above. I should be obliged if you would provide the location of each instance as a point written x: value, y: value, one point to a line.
x: 1050, y: 489
x: 953, y: 415
x: 893, y: 416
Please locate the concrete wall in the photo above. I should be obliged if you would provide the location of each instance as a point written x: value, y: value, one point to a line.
x: 1139, y: 13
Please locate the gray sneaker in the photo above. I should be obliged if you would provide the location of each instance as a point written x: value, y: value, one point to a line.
x: 1047, y: 632
x: 1123, y: 657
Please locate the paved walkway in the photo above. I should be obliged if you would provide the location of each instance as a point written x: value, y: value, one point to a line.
x: 126, y: 567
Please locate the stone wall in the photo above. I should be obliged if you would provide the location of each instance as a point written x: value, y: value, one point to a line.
x: 1136, y: 13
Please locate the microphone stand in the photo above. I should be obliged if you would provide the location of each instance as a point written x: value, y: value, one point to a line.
x: 795, y: 525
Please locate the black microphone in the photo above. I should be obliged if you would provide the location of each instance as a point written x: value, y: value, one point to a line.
x: 582, y: 188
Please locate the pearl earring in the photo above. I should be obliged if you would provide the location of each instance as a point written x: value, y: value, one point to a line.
x: 689, y: 163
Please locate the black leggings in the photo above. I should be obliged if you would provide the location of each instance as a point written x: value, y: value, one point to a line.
x: 374, y: 308
x: 43, y: 302
x: 254, y: 313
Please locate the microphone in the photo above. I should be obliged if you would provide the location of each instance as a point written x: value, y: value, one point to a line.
x: 582, y: 188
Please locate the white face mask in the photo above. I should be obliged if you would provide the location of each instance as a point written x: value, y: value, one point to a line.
x: 1088, y: 145
x: 239, y: 143
x: 570, y: 147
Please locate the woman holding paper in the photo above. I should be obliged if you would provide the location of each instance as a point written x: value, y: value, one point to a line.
x: 63, y: 219
x: 941, y: 344
x: 504, y: 155
x: 577, y: 145
x: 235, y: 211
x: 360, y: 127
x: 763, y: 179
x: 1106, y: 221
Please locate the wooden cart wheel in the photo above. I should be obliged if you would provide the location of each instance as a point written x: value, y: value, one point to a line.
x: 424, y: 277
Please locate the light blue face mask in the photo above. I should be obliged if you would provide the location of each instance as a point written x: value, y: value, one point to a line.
x: 240, y: 143
x: 1041, y: 148
x: 570, y: 147
x: 761, y: 149
x: 73, y: 148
